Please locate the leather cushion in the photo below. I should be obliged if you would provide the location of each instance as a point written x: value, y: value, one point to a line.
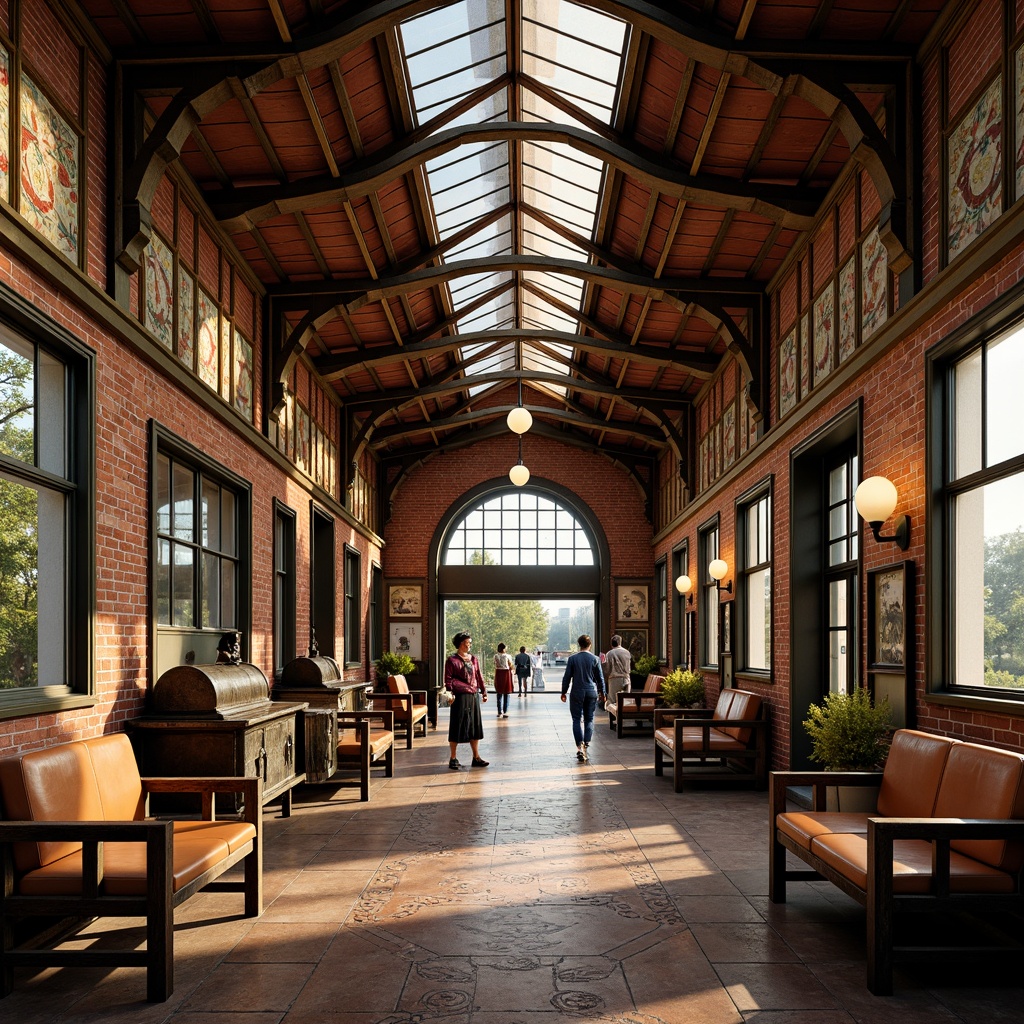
x: 397, y: 684
x: 803, y: 826
x: 234, y: 834
x: 984, y: 782
x: 913, y: 771
x: 55, y: 784
x: 665, y: 738
x: 743, y: 706
x: 117, y: 777
x: 912, y: 866
x: 124, y: 868
x: 718, y: 740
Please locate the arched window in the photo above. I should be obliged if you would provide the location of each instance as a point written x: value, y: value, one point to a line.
x: 518, y: 527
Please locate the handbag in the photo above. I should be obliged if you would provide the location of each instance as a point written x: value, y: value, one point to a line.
x: 445, y: 699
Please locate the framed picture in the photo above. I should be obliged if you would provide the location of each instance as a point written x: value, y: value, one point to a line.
x: 631, y: 601
x: 890, y: 608
x: 635, y: 641
x: 405, y: 600
x: 406, y: 638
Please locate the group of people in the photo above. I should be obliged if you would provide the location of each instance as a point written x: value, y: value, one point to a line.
x: 583, y: 688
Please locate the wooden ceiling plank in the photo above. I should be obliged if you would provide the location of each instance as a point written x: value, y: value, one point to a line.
x: 682, y: 93
x: 205, y: 18
x: 318, y: 124
x: 259, y: 131
x: 307, y: 234
x: 716, y: 245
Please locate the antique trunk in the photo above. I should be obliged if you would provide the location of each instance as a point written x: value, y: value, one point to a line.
x: 317, y: 681
x: 219, y: 720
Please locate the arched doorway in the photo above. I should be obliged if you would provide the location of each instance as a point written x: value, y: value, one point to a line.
x: 535, y: 542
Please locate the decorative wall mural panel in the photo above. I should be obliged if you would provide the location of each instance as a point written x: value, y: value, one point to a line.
x: 5, y: 124
x: 49, y: 171
x: 874, y: 285
x: 302, y: 439
x: 209, y: 340
x: 805, y: 356
x: 974, y: 170
x: 243, y: 376
x: 225, y: 359
x: 848, y: 309
x: 186, y: 318
x: 787, y: 373
x: 729, y: 435
x: 158, y: 272
x: 1018, y: 66
x: 824, y: 333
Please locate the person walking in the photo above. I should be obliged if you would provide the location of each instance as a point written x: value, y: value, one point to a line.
x: 538, y: 671
x: 462, y: 678
x: 502, y: 679
x: 584, y: 681
x: 524, y: 669
x: 617, y: 663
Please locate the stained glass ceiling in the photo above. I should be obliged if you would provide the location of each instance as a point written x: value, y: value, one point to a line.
x: 456, y: 51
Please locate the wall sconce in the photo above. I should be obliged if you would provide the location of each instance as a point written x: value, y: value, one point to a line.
x: 875, y: 500
x: 718, y: 569
x: 519, y: 474
x: 684, y: 585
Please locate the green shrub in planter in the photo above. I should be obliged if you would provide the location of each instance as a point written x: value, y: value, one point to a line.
x: 391, y: 664
x: 642, y: 668
x: 683, y: 688
x: 848, y: 732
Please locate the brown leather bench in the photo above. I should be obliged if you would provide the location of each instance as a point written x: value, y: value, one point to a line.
x: 728, y: 742
x: 635, y: 706
x: 947, y: 835
x: 76, y: 843
x: 365, y: 738
x: 409, y: 706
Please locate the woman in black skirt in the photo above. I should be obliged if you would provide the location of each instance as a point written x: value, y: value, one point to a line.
x: 463, y: 678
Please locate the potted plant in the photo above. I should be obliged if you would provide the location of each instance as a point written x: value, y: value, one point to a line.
x: 391, y: 664
x: 683, y: 688
x: 848, y: 734
x: 642, y: 668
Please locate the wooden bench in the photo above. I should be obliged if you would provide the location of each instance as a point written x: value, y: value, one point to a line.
x: 728, y: 742
x: 947, y: 835
x: 76, y: 843
x: 364, y: 739
x: 635, y: 705
x: 409, y: 706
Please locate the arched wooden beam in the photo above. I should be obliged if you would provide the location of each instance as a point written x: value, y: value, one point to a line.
x: 241, y: 209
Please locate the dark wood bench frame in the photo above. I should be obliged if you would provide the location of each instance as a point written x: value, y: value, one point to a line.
x: 157, y: 906
x: 881, y: 903
x: 629, y: 707
x: 361, y: 721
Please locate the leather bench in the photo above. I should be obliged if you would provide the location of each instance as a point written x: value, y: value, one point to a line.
x: 364, y: 739
x: 76, y: 843
x: 635, y: 706
x: 409, y: 706
x: 728, y: 742
x: 947, y: 835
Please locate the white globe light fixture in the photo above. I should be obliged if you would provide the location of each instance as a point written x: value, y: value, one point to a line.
x: 876, y: 501
x: 519, y: 474
x: 519, y: 420
x: 684, y: 584
x: 718, y: 569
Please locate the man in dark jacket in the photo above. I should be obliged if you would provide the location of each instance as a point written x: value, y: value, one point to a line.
x: 583, y: 673
x: 524, y: 669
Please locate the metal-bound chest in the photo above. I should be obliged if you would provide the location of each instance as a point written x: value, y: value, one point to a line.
x: 219, y: 720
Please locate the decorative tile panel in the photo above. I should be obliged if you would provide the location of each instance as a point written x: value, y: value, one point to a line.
x: 848, y: 309
x: 186, y: 318
x: 805, y: 356
x: 243, y: 376
x: 5, y: 125
x: 975, y: 176
x: 787, y: 373
x: 158, y: 312
x: 729, y: 435
x: 208, y: 319
x: 824, y: 333
x: 49, y: 171
x: 874, y: 285
x: 302, y: 439
x: 225, y: 359
x: 1018, y: 66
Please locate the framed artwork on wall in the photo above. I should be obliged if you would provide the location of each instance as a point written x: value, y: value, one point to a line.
x: 631, y: 601
x: 405, y: 599
x: 406, y: 638
x: 890, y: 607
x: 635, y: 641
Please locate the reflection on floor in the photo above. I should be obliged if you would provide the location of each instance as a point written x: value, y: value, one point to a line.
x: 536, y: 891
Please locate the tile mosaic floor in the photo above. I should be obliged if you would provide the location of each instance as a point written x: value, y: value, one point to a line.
x: 535, y: 891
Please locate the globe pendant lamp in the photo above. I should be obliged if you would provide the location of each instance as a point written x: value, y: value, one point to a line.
x: 519, y: 419
x: 519, y: 474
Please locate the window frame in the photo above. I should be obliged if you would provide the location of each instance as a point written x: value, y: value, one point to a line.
x: 661, y: 599
x: 375, y: 613
x: 709, y: 539
x: 762, y: 491
x: 78, y: 689
x: 285, y: 586
x: 1004, y: 317
x: 166, y: 638
x: 352, y: 562
x: 681, y: 641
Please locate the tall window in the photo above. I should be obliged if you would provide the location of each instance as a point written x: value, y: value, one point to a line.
x: 353, y: 625
x: 840, y: 577
x: 519, y: 527
x: 284, y: 585
x: 981, y: 521
x: 375, y: 626
x: 46, y: 523
x: 754, y: 577
x: 681, y: 641
x: 707, y: 540
x: 661, y: 586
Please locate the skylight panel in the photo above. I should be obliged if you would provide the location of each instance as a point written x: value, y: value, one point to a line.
x: 575, y: 51
x: 468, y: 184
x: 540, y: 240
x: 491, y: 240
x: 490, y: 108
x: 471, y: 286
x: 545, y: 362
